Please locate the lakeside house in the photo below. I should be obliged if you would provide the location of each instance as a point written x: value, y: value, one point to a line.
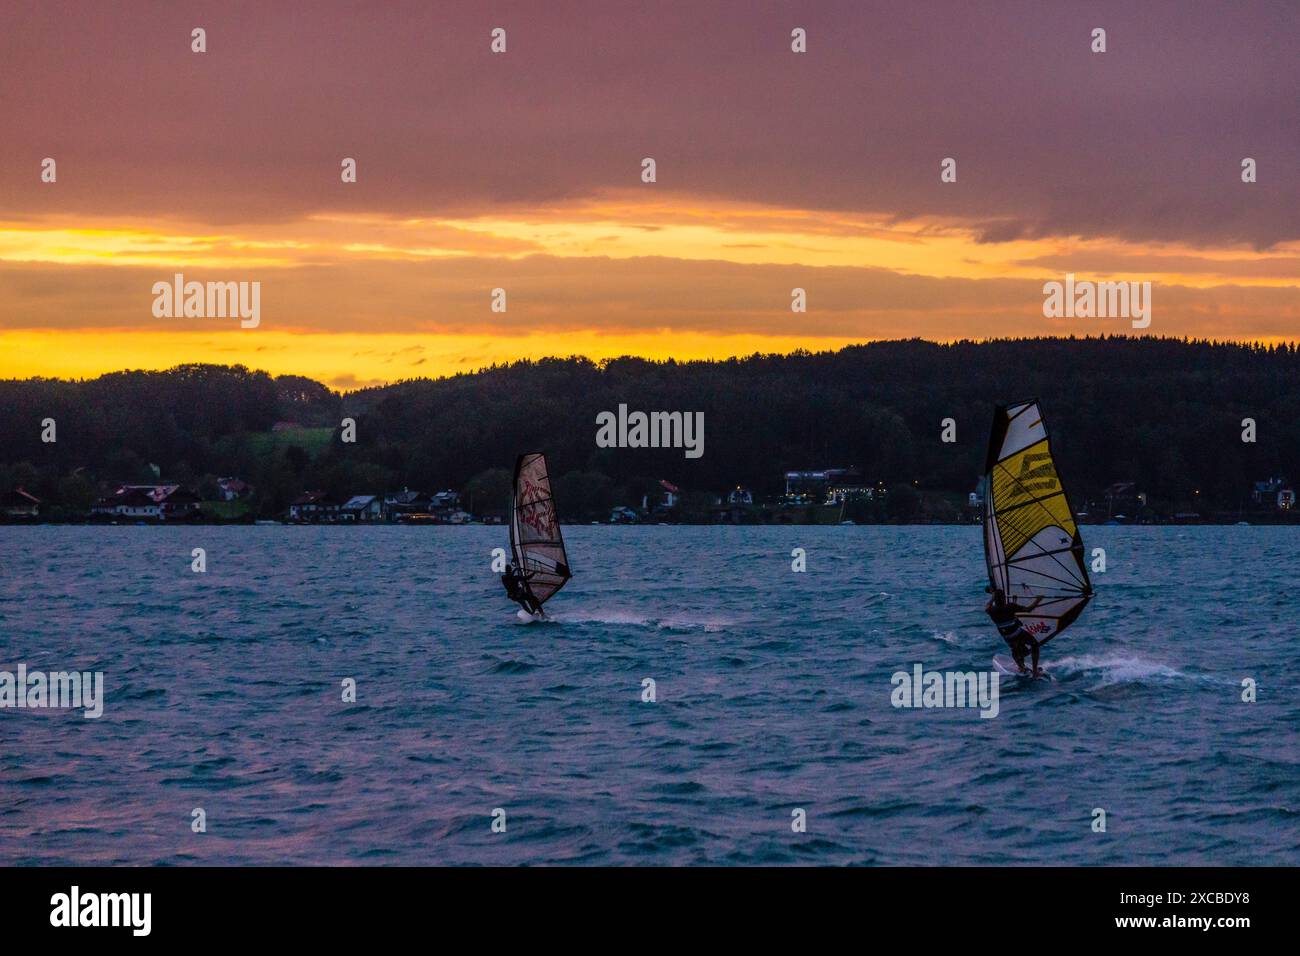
x: 826, y: 485
x: 19, y: 504
x: 405, y: 506
x: 162, y: 502
x: 361, y: 508
x: 398, y: 504
x: 128, y: 503
x: 740, y: 495
x: 232, y: 489
x: 444, y: 501
x: 313, y: 506
x: 622, y: 514
x: 1274, y: 493
x: 179, y: 503
x: 671, y: 495
x: 410, y: 507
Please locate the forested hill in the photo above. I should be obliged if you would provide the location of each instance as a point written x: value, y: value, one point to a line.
x: 1164, y: 413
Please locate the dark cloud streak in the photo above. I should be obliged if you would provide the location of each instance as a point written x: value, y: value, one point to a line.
x: 1143, y: 142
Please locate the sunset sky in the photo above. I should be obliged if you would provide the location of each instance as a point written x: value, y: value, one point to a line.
x: 522, y: 170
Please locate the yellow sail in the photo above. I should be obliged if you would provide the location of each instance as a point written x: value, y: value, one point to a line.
x: 1032, y: 545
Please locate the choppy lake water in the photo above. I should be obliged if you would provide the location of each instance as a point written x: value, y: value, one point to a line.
x: 773, y: 693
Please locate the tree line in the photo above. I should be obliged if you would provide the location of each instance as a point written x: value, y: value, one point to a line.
x: 1165, y: 413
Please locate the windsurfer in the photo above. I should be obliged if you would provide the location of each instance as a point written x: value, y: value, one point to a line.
x: 1003, y: 614
x: 518, y: 591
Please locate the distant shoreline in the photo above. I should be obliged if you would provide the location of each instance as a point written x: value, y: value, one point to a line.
x: 1149, y: 428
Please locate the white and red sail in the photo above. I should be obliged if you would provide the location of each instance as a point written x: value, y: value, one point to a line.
x: 535, y: 539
